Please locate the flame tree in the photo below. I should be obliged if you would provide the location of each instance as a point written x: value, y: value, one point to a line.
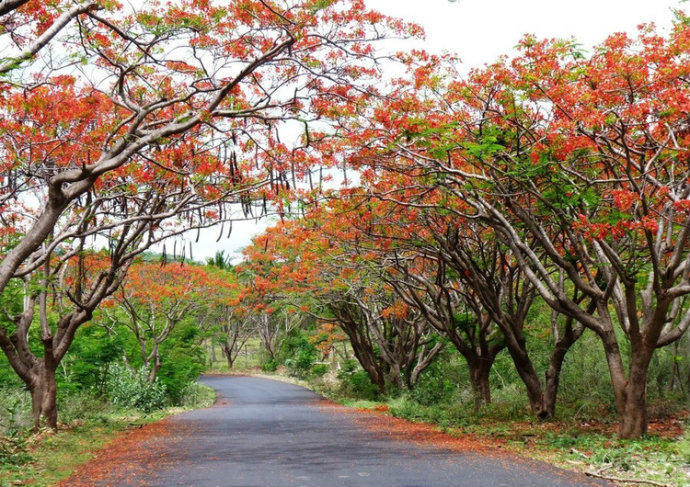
x: 133, y: 125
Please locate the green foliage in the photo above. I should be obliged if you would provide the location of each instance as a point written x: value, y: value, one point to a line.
x: 320, y: 370
x: 13, y: 449
x: 684, y: 448
x: 270, y: 365
x: 132, y: 389
x: 220, y: 260
x: 182, y: 361
x: 355, y: 382
x: 197, y: 395
x: 300, y: 353
x: 87, y: 365
x: 434, y: 385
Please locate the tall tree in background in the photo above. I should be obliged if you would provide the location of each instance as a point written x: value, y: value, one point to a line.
x: 156, y: 297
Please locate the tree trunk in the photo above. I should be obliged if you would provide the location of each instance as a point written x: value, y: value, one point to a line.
x: 155, y: 366
x: 528, y: 374
x: 479, y: 378
x: 634, y: 414
x: 366, y: 357
x: 553, y: 377
x: 228, y: 355
x: 395, y: 376
x: 631, y: 391
x: 619, y: 381
x: 44, y: 398
x: 213, y: 358
x: 375, y: 375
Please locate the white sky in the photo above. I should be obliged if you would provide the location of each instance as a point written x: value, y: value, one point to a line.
x: 480, y: 31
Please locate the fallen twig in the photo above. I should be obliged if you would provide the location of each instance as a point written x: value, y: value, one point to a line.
x: 630, y: 481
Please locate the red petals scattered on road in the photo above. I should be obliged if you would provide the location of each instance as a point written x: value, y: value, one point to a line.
x: 396, y: 429
x: 130, y: 456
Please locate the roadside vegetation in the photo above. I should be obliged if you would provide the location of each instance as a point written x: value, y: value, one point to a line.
x: 88, y: 424
x: 582, y: 436
x: 104, y: 389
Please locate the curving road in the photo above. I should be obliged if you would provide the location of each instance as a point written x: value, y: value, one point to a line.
x: 267, y: 433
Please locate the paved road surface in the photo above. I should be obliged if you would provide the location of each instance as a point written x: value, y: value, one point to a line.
x: 267, y: 433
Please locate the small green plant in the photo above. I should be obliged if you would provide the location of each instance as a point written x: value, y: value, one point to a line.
x: 320, y: 370
x: 684, y: 448
x: 355, y: 382
x: 132, y: 389
x: 300, y: 364
x: 13, y: 450
x: 270, y: 365
x: 434, y: 386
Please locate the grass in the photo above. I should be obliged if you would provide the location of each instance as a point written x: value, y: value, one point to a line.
x: 662, y: 457
x: 54, y: 456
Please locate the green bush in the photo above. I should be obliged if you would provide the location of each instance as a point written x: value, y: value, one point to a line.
x: 197, y: 395
x: 15, y: 410
x: 434, y: 385
x: 182, y: 361
x: 303, y: 356
x: 320, y: 370
x: 131, y: 389
x: 355, y: 382
x: 270, y: 365
x: 684, y: 448
x: 87, y: 365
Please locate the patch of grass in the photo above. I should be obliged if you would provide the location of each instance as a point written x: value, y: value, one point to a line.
x: 54, y: 456
x: 587, y: 447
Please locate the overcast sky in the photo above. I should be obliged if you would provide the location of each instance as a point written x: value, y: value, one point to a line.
x: 480, y: 31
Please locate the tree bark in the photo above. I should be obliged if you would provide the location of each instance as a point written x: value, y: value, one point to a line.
x: 479, y: 378
x: 212, y: 355
x: 562, y: 346
x: 227, y: 351
x: 553, y: 378
x: 634, y: 414
x: 44, y: 397
x: 155, y: 365
x: 525, y: 369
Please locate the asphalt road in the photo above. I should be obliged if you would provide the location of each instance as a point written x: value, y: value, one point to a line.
x: 267, y: 433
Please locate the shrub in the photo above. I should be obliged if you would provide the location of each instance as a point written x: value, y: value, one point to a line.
x: 684, y: 448
x: 356, y: 382
x: 132, y: 389
x: 303, y: 357
x: 270, y: 365
x: 320, y: 369
x: 433, y: 386
x: 197, y: 395
x: 15, y: 410
x: 183, y: 361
